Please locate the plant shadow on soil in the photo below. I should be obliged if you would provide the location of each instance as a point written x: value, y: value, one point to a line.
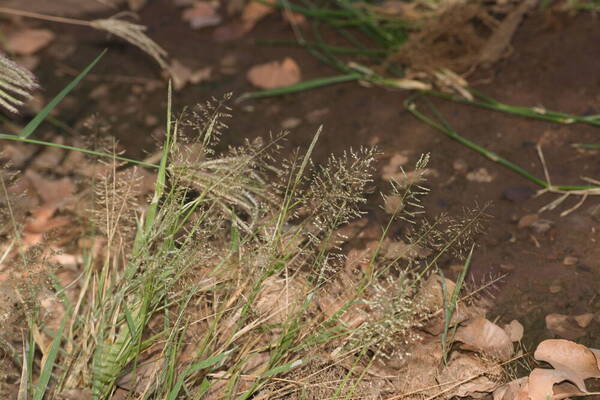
x: 554, y: 64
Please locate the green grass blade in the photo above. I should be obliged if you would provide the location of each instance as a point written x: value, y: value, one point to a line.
x: 484, y: 101
x: 5, y: 136
x: 195, y: 368
x: 48, y: 367
x: 282, y: 368
x: 445, y: 128
x: 129, y: 319
x: 25, y: 381
x: 39, y: 118
x: 450, y: 306
x: 590, y: 146
x: 302, y: 86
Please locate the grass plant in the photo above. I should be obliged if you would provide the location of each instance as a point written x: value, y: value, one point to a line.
x: 216, y: 285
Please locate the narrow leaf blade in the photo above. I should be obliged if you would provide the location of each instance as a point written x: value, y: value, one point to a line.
x: 41, y: 116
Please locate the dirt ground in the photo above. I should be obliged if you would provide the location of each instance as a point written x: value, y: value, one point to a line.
x: 554, y: 64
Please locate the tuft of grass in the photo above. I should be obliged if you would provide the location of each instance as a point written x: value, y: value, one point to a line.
x: 231, y: 278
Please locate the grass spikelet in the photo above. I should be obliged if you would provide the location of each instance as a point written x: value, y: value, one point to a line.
x: 16, y: 84
x: 134, y: 34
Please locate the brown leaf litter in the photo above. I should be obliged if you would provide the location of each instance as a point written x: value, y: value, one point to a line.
x: 28, y: 41
x: 275, y: 74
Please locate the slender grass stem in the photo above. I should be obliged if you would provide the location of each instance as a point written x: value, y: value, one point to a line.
x: 332, y: 49
x: 591, y: 146
x: 530, y: 112
x: 302, y: 86
x: 29, y: 14
x: 448, y: 131
x: 15, y: 138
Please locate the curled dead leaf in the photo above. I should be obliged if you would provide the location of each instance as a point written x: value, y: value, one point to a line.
x: 485, y: 337
x: 275, y: 74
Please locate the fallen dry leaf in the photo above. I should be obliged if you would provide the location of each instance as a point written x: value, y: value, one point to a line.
x: 182, y: 75
x: 575, y: 361
x: 527, y: 220
x: 53, y: 192
x: 275, y: 74
x: 278, y: 299
x: 541, y: 382
x: 584, y: 320
x: 564, y: 326
x: 432, y: 293
x: 231, y: 31
x: 42, y: 220
x: 28, y: 41
x: 394, y: 250
x: 254, y: 12
x: 514, y: 330
x: 202, y: 14
x: 510, y: 390
x: 485, y: 337
x: 464, y: 366
x: 138, y: 380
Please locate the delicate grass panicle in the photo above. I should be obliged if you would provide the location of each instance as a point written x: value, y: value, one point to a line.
x: 231, y: 277
x: 16, y: 84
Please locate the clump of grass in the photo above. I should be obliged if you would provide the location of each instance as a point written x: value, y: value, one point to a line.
x: 217, y: 286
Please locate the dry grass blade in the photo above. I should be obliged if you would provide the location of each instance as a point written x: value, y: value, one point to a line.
x: 15, y: 81
x: 134, y: 34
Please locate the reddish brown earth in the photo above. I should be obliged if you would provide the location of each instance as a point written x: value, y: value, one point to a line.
x: 554, y: 64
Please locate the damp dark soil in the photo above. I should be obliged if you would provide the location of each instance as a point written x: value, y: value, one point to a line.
x: 554, y: 64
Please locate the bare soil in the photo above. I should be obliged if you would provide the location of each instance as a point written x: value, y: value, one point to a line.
x: 554, y: 64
